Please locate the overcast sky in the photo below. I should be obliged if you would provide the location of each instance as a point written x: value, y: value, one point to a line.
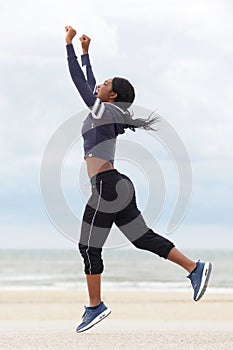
x: 178, y: 55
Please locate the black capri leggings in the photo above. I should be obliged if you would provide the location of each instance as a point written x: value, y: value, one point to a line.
x: 113, y: 201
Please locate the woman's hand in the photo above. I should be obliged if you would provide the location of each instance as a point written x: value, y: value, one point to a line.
x: 70, y: 34
x: 85, y: 42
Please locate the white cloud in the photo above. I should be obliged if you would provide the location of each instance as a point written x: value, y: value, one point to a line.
x: 36, y: 30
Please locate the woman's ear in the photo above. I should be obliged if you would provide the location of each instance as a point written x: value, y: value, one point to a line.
x: 113, y: 95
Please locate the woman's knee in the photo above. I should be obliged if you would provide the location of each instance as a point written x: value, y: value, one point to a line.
x: 92, y: 257
x: 154, y: 243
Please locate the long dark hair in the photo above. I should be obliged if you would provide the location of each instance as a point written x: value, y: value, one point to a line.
x: 125, y: 97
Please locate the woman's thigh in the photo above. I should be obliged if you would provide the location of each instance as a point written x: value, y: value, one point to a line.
x: 129, y: 220
x: 96, y: 224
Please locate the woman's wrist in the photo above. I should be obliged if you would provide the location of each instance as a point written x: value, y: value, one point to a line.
x: 85, y: 52
x: 68, y: 41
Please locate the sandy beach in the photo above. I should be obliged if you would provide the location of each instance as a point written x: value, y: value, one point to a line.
x: 46, y: 319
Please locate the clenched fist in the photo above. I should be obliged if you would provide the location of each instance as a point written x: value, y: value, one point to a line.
x: 85, y: 42
x: 70, y: 34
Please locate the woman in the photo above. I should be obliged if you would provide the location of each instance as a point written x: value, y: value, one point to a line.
x: 113, y: 196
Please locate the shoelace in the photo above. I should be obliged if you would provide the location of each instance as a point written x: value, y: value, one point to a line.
x: 85, y: 312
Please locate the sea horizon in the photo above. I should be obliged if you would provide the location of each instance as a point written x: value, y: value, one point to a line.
x: 125, y: 269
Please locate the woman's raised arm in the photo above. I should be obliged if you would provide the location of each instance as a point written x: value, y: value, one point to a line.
x: 85, y: 42
x: 76, y: 71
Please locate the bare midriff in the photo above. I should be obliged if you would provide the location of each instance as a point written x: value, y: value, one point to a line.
x: 97, y: 165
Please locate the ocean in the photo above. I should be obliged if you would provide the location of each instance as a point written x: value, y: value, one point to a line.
x: 124, y: 269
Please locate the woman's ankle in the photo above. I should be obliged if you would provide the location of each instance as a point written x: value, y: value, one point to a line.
x: 94, y: 303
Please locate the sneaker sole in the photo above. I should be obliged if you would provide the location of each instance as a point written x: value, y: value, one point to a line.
x: 96, y: 320
x: 204, y: 280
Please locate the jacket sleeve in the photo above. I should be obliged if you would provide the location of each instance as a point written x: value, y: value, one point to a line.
x: 96, y: 106
x: 90, y: 76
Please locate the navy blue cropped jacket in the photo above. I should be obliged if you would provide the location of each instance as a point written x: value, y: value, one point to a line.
x: 105, y: 120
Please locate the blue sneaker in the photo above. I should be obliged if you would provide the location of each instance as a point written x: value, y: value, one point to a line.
x: 92, y: 316
x: 200, y: 278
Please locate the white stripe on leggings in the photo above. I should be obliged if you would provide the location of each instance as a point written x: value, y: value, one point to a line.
x: 92, y: 223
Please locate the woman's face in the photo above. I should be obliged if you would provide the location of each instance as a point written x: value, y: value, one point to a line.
x: 104, y: 91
